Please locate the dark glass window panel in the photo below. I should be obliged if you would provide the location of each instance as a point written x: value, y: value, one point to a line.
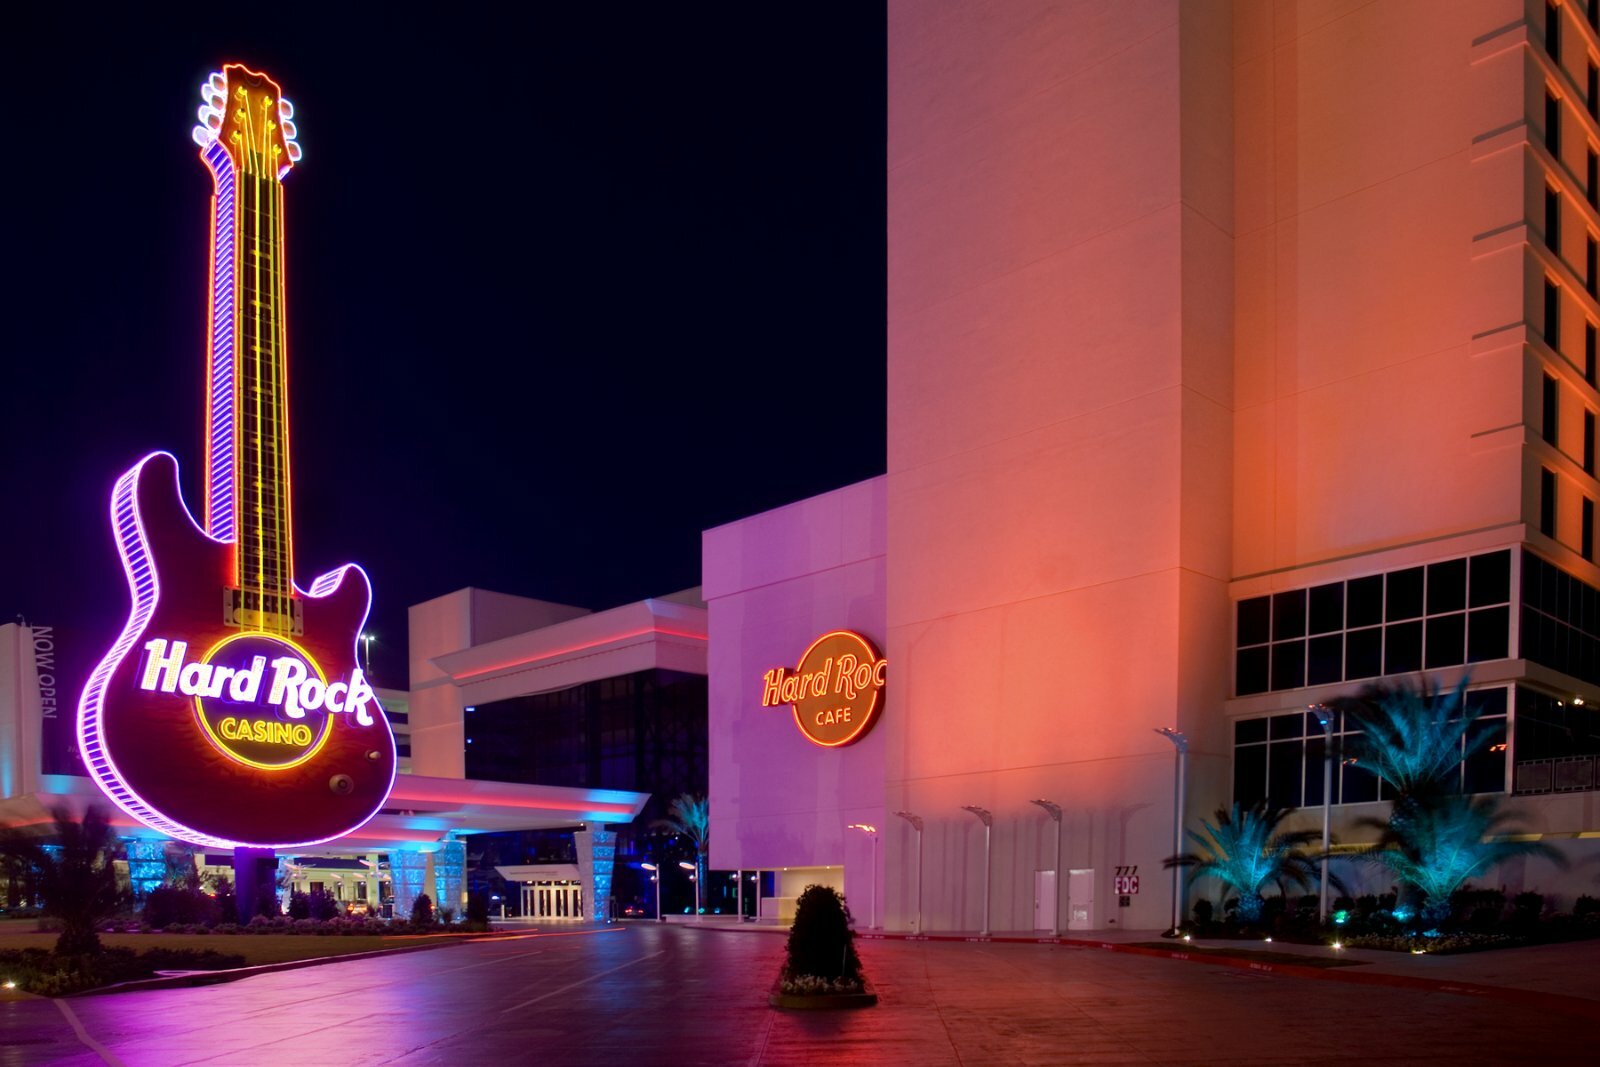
x: 1447, y: 636
x: 1255, y: 620
x: 1357, y: 786
x: 1289, y: 615
x: 1530, y: 645
x: 1364, y: 601
x: 1552, y: 315
x: 1487, y: 702
x: 1547, y: 502
x: 1491, y: 579
x: 1289, y: 665
x: 1287, y: 726
x: 1552, y: 220
x: 1586, y: 531
x: 1551, y: 415
x: 1591, y: 336
x: 1327, y: 608
x: 1403, y: 594
x: 1363, y: 653
x: 1592, y: 97
x: 1488, y: 634
x: 1588, y: 441
x: 1283, y: 774
x: 1250, y: 774
x: 1447, y: 586
x: 1315, y: 746
x: 1552, y: 32
x: 1248, y: 730
x: 1532, y: 580
x: 1552, y: 124
x: 1250, y: 670
x: 1325, y: 659
x: 1402, y: 647
x: 1485, y: 770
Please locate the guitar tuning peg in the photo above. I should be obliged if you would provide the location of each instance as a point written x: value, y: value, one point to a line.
x: 211, y: 94
x: 288, y: 129
x: 203, y: 136
x: 210, y: 117
x: 294, y: 152
x: 285, y: 109
x: 218, y: 83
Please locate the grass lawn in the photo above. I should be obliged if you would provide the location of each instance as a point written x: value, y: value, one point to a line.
x: 255, y: 948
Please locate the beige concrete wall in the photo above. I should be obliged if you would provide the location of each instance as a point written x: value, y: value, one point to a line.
x: 1060, y: 265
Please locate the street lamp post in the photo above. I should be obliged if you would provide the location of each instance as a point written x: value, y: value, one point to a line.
x: 872, y: 835
x: 1054, y: 811
x: 1180, y: 742
x: 655, y: 876
x: 983, y: 816
x: 1325, y: 719
x: 738, y: 895
x: 916, y: 824
x: 695, y: 878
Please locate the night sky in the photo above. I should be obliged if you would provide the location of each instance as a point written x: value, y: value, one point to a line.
x: 563, y: 289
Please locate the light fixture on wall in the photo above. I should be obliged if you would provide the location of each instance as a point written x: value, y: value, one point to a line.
x: 916, y: 824
x: 983, y: 815
x: 1054, y: 811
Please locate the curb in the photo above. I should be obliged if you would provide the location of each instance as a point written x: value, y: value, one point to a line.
x: 200, y: 978
x: 1580, y: 1007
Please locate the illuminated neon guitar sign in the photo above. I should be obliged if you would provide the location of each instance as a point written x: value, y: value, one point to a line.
x: 232, y: 710
x: 836, y: 690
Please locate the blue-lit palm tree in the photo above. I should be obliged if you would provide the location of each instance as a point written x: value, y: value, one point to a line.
x: 1245, y: 850
x: 1434, y: 839
x: 690, y: 815
x: 1445, y: 841
x: 76, y: 877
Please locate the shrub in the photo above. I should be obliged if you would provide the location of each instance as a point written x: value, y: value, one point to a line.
x: 447, y: 915
x: 422, y: 910
x: 1203, y: 911
x: 821, y: 943
x: 1526, y: 909
x: 1477, y: 909
x: 37, y: 971
x: 478, y: 908
x: 322, y: 905
x: 1585, y: 906
x: 299, y: 905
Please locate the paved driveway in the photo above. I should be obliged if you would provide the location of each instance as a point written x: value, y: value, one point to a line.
x: 646, y: 995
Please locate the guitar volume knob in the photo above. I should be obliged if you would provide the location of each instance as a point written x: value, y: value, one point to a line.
x: 342, y: 784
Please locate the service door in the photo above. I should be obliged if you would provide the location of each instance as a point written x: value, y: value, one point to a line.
x: 1080, y: 900
x: 1044, y: 900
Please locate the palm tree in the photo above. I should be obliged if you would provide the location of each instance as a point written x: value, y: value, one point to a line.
x: 1434, y: 838
x: 1444, y: 842
x: 690, y: 815
x: 76, y: 879
x: 1245, y: 850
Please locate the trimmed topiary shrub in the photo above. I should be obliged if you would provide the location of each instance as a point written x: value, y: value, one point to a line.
x: 299, y: 905
x: 821, y: 951
x: 422, y: 910
x: 322, y: 905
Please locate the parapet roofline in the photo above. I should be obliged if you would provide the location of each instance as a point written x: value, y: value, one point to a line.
x: 646, y: 622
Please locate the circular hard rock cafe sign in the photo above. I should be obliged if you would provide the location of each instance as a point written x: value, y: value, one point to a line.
x: 836, y: 690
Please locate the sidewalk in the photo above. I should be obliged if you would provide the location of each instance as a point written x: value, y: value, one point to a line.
x: 1563, y: 977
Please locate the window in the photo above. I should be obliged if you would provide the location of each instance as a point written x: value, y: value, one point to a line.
x: 1594, y: 89
x: 1560, y: 620
x: 1552, y: 314
x: 1594, y: 13
x: 1552, y: 410
x: 1443, y: 614
x: 1552, y: 31
x: 1281, y: 758
x: 1552, y: 123
x: 1591, y: 178
x: 1552, y: 220
x: 1547, y: 502
x: 1586, y: 536
x: 1589, y: 346
x: 1588, y: 442
x: 1590, y: 261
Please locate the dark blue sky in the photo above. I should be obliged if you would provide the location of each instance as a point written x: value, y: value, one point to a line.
x: 564, y: 288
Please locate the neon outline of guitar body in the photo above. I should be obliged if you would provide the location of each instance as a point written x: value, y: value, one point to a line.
x: 139, y: 563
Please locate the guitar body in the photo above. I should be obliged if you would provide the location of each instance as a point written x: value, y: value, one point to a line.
x: 152, y: 751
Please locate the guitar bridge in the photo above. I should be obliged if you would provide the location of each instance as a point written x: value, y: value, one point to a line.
x: 248, y: 609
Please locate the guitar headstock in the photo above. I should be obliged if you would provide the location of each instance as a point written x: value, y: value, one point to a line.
x: 245, y: 112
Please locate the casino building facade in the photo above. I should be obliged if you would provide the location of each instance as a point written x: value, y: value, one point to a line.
x: 1239, y: 356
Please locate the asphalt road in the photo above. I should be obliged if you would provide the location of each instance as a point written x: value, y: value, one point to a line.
x: 645, y: 995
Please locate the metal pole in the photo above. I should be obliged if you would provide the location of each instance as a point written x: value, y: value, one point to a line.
x: 984, y: 816
x: 874, y: 882
x: 1055, y: 927
x: 916, y: 824
x: 739, y: 894
x: 1325, y: 718
x: 1181, y: 743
